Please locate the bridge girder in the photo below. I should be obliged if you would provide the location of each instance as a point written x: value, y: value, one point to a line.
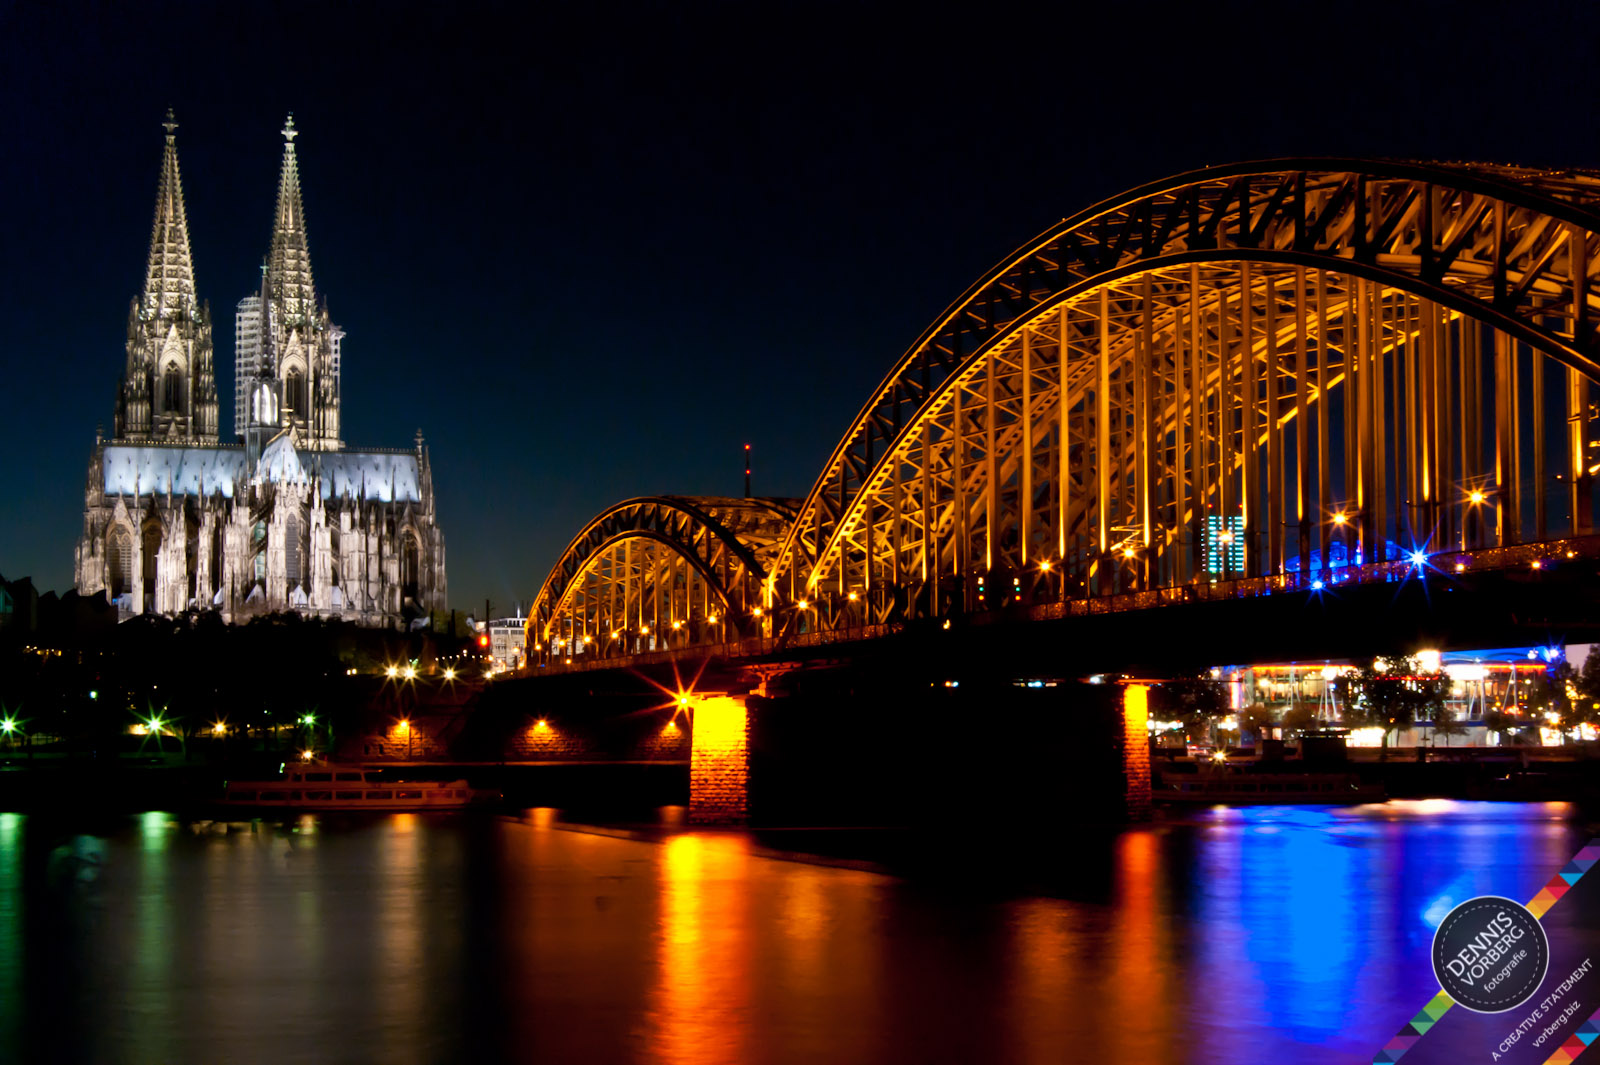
x: 1349, y: 266
x: 658, y: 570
x: 1261, y: 374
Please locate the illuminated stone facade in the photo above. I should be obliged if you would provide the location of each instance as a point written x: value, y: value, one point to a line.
x: 1136, y: 751
x: 719, y: 761
x: 285, y: 519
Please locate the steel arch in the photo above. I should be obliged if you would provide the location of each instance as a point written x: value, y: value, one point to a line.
x: 690, y: 550
x: 1508, y: 246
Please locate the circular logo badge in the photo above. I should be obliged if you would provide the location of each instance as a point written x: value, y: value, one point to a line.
x: 1490, y: 954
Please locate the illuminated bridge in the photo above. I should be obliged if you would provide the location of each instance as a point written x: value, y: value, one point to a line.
x: 1298, y: 376
x: 1302, y: 408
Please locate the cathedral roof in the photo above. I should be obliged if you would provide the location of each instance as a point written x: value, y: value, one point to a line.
x: 370, y: 476
x: 280, y: 464
x: 289, y: 259
x: 169, y: 275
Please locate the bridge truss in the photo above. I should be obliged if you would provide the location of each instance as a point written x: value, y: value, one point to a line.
x: 660, y: 572
x: 1289, y: 373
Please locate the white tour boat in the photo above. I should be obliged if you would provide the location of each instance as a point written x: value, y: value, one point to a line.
x: 348, y: 787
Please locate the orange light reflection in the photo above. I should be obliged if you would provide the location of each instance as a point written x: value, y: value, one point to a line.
x: 699, y: 1012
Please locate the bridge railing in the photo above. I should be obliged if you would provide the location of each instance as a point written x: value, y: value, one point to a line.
x: 1540, y: 556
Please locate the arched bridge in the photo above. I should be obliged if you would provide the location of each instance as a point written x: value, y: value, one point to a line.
x: 1263, y: 377
x: 658, y: 570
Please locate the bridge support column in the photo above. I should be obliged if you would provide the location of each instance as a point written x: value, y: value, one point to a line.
x: 719, y: 760
x: 1136, y: 751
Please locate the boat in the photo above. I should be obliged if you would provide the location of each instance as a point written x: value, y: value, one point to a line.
x: 1239, y: 789
x: 349, y: 787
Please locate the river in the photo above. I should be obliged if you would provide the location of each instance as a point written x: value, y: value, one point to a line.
x: 1227, y: 935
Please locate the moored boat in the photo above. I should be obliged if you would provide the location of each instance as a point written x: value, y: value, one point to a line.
x: 1337, y: 789
x: 349, y: 787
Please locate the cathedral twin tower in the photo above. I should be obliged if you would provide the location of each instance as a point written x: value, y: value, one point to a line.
x: 286, y: 518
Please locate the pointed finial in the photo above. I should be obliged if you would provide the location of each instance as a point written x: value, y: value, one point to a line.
x: 419, y: 439
x: 288, y: 130
x: 170, y: 125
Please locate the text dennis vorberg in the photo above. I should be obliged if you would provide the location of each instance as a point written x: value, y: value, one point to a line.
x: 1486, y: 948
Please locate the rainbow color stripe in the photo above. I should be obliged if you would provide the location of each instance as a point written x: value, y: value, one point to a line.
x: 1578, y: 1042
x: 1440, y: 1004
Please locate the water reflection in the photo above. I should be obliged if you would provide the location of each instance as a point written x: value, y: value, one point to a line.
x: 1230, y: 935
x: 11, y: 927
x: 700, y: 1010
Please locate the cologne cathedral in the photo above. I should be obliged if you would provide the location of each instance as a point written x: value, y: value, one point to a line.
x: 284, y: 518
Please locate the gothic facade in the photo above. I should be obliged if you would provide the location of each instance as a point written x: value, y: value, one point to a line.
x: 287, y: 517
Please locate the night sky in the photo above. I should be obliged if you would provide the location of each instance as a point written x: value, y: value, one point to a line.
x: 592, y: 256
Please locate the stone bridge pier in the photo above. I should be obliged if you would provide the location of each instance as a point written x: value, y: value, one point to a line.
x: 833, y: 748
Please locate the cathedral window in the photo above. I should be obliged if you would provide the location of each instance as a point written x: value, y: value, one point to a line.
x: 152, y: 548
x: 119, y: 556
x: 293, y: 550
x: 294, y: 393
x: 172, y: 389
x: 409, y: 557
x: 258, y: 543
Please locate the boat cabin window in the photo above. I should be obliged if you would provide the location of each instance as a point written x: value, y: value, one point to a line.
x: 318, y: 776
x: 349, y: 795
x: 347, y: 776
x: 377, y: 794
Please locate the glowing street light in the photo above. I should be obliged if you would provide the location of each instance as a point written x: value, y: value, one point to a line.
x: 8, y: 725
x: 410, y: 672
x: 449, y: 674
x: 1045, y: 566
x: 1419, y: 558
x: 1475, y: 498
x: 390, y: 672
x: 1340, y: 519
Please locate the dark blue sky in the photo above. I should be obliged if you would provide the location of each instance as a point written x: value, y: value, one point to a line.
x: 592, y: 256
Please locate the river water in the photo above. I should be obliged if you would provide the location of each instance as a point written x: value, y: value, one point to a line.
x: 1228, y: 935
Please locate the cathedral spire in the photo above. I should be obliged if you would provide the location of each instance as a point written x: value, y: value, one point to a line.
x: 169, y: 276
x: 289, y: 261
